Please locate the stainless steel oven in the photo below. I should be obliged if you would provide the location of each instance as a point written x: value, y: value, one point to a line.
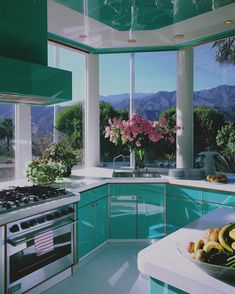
x: 25, y: 267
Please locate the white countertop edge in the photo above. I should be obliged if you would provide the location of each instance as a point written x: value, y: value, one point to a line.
x: 187, y: 285
x: 162, y: 260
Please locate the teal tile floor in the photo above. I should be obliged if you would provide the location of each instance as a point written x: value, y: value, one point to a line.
x: 112, y: 270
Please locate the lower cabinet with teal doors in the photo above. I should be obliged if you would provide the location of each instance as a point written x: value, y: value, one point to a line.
x: 137, y: 211
x: 93, y: 226
x: 183, y: 206
x: 216, y: 199
x: 159, y: 287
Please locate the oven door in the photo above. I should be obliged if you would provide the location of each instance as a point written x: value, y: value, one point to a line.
x: 26, y: 269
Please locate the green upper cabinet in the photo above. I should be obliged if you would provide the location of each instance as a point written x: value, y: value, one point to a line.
x: 23, y: 30
x: 183, y: 206
x: 124, y: 217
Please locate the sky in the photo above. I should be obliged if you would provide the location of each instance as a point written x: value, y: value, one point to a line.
x: 156, y: 71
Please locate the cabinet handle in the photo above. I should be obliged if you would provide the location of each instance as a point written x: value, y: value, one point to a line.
x: 133, y: 197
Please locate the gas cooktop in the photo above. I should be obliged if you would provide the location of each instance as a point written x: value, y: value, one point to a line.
x: 19, y: 197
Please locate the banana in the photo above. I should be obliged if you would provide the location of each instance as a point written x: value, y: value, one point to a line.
x: 232, y: 234
x: 233, y: 245
x: 198, y: 245
x: 223, y: 237
x: 212, y: 245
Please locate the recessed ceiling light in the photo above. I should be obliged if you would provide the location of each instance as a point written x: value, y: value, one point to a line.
x: 228, y: 21
x: 131, y: 40
x: 83, y: 36
x: 179, y: 36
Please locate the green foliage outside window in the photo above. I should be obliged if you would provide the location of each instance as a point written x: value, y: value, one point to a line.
x: 70, y: 122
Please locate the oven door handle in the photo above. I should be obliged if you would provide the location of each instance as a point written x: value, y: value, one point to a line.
x: 21, y: 240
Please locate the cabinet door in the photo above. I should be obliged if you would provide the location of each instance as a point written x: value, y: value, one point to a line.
x: 207, y: 207
x: 151, y: 216
x: 85, y: 230
x: 123, y: 217
x: 181, y: 211
x: 101, y: 221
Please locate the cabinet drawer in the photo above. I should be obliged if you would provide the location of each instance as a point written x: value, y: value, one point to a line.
x: 184, y: 192
x: 207, y: 207
x: 93, y: 195
x: 137, y: 189
x: 219, y: 197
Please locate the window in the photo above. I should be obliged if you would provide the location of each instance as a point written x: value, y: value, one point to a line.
x: 214, y: 107
x: 155, y: 84
x: 62, y: 123
x: 114, y: 100
x: 7, y: 156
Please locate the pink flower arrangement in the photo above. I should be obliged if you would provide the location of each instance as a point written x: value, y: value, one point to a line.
x: 138, y: 132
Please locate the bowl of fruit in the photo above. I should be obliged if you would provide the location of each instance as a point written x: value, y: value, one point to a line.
x: 214, y: 253
x: 217, y: 178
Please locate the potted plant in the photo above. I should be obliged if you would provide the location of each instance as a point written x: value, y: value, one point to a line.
x: 64, y: 154
x: 44, y: 172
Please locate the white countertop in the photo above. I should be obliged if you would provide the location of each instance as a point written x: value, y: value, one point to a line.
x: 100, y: 176
x: 88, y: 178
x: 163, y: 261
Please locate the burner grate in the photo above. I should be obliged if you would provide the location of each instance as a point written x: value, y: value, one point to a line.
x: 20, y: 196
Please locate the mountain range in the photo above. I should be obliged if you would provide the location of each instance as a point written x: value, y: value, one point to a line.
x: 150, y: 105
x: 222, y: 98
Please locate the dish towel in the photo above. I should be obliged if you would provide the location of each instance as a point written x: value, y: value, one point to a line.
x: 44, y: 243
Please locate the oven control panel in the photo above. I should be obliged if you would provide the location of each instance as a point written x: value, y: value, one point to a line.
x: 40, y: 220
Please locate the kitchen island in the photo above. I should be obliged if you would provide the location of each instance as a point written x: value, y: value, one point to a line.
x: 171, y: 272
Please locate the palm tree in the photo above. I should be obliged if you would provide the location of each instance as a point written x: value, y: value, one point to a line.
x: 6, y: 130
x: 225, y: 51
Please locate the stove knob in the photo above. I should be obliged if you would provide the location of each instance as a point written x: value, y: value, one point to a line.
x: 50, y: 217
x: 64, y: 212
x: 24, y: 225
x: 14, y: 229
x: 70, y: 210
x: 57, y: 215
x: 41, y: 220
x: 33, y: 223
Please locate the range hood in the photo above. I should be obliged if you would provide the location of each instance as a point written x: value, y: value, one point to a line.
x: 24, y: 75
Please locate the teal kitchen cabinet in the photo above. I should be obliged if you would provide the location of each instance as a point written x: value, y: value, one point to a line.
x: 101, y: 221
x: 85, y: 230
x: 207, y: 207
x: 137, y: 211
x: 151, y: 215
x: 212, y: 200
x: 183, y: 206
x: 93, y: 226
x: 92, y: 195
x: 159, y: 287
x: 124, y: 217
x: 219, y: 197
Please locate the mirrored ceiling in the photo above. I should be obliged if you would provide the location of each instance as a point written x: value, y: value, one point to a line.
x: 107, y: 26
